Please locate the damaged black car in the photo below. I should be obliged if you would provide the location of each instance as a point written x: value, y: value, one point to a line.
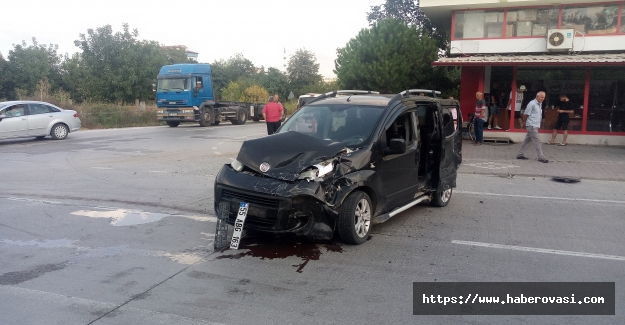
x: 341, y: 164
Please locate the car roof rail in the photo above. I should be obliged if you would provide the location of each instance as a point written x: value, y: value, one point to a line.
x: 335, y: 93
x: 408, y: 92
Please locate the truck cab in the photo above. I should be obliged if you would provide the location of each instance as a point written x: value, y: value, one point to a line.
x: 184, y: 93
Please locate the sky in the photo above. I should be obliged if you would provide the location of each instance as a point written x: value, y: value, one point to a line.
x: 216, y: 29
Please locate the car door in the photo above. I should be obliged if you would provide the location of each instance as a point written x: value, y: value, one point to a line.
x: 15, y: 124
x: 40, y: 116
x: 398, y: 173
x: 451, y: 152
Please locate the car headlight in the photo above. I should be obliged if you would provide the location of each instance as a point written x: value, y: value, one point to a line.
x: 236, y: 165
x: 318, y: 171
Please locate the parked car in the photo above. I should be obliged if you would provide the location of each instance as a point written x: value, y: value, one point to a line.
x: 344, y: 163
x: 20, y: 119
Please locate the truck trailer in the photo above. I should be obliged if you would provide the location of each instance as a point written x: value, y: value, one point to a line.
x: 185, y: 93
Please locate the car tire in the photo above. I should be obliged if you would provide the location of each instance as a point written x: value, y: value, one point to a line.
x: 441, y: 199
x: 173, y: 124
x: 59, y: 131
x: 354, y: 222
x: 207, y: 117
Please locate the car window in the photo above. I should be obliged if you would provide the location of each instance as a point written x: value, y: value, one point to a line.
x: 35, y: 109
x: 402, y: 128
x: 15, y: 111
x: 349, y: 124
x: 448, y: 122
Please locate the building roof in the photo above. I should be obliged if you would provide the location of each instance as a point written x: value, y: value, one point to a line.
x: 613, y: 59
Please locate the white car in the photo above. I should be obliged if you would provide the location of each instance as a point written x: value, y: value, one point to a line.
x: 19, y: 119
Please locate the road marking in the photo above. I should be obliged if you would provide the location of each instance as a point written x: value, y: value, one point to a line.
x: 540, y: 250
x: 541, y: 197
x: 157, y: 171
x: 101, y: 167
x: 155, y: 317
x: 217, y: 152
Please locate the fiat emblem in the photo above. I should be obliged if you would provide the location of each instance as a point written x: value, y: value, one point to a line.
x: 264, y: 167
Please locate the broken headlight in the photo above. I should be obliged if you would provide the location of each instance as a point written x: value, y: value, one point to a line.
x: 318, y: 171
x: 236, y: 165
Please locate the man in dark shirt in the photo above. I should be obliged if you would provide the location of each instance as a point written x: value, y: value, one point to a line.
x: 563, y: 120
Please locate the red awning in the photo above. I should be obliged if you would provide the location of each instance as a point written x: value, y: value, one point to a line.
x: 535, y: 60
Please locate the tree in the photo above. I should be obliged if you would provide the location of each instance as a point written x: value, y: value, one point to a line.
x: 27, y: 65
x: 410, y: 12
x: 388, y: 57
x: 117, y: 67
x: 233, y: 69
x: 303, y: 70
x: 3, y: 77
x: 274, y: 81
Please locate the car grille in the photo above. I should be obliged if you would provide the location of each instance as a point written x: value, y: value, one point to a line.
x: 262, y: 212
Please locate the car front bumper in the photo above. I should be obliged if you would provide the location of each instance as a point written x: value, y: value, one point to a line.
x: 277, y: 206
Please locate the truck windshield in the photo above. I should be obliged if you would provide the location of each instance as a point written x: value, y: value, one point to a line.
x: 349, y: 124
x: 174, y: 84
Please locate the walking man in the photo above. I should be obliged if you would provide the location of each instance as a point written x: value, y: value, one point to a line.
x: 272, y: 112
x: 478, y: 119
x: 531, y: 121
x: 563, y: 120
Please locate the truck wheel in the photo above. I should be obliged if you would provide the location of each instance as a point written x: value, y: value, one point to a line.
x: 207, y: 117
x: 255, y: 119
x: 441, y: 199
x: 354, y: 222
x: 173, y: 124
x: 216, y: 122
x: 241, y: 117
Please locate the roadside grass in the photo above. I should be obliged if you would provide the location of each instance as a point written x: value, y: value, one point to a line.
x: 104, y: 116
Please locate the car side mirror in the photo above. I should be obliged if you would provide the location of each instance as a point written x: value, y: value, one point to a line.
x: 398, y: 146
x: 2, y: 117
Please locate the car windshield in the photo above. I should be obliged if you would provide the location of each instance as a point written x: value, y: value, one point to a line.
x: 349, y: 124
x: 174, y: 84
x: 305, y: 100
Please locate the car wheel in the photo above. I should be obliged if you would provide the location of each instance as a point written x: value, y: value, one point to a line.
x: 354, y: 223
x: 59, y: 131
x: 441, y: 199
x: 173, y: 124
x: 206, y: 116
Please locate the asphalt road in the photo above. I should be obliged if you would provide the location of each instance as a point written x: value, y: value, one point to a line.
x: 117, y: 227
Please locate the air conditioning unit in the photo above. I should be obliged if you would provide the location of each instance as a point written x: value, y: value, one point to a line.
x: 560, y: 40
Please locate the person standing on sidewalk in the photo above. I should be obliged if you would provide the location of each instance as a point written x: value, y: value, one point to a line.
x: 518, y: 101
x: 478, y: 119
x: 531, y: 121
x: 563, y: 120
x: 272, y: 112
x: 494, y: 107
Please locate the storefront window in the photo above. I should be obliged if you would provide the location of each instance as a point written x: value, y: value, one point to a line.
x: 569, y: 81
x: 478, y: 24
x: 530, y: 22
x: 606, y: 104
x: 591, y: 20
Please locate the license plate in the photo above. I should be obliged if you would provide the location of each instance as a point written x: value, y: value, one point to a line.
x: 173, y: 114
x: 238, y: 225
x: 172, y: 103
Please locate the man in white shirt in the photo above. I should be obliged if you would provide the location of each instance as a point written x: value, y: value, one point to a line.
x: 533, y: 116
x: 517, y: 105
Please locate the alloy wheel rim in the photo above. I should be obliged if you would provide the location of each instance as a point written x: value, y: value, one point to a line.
x: 60, y: 132
x: 362, y: 218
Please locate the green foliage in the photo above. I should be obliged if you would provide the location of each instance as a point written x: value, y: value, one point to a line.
x: 101, y: 115
x: 26, y: 66
x: 274, y: 81
x: 321, y: 87
x: 233, y: 69
x: 255, y: 94
x: 117, y: 67
x: 409, y: 11
x: 232, y: 93
x: 303, y: 70
x: 388, y: 57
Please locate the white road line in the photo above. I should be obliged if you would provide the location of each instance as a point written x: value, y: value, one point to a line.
x: 217, y: 152
x: 101, y: 168
x: 540, y: 197
x: 68, y: 301
x: 158, y: 171
x: 540, y: 250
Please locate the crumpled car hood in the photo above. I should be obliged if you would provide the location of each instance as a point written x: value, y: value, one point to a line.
x: 287, y: 154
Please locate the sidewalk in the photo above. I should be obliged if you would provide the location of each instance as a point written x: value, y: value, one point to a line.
x: 585, y: 161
